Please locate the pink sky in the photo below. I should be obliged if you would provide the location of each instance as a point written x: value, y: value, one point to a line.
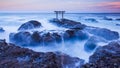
x: 68, y: 5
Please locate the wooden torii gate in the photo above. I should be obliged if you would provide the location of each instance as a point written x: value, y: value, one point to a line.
x: 58, y: 13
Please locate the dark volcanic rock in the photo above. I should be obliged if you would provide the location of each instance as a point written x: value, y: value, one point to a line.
x: 20, y: 38
x: 25, y: 38
x: 68, y: 23
x: 12, y: 56
x: 2, y: 30
x: 69, y: 34
x: 91, y: 43
x: 33, y: 39
x: 57, y: 37
x: 75, y: 34
x: 105, y: 57
x: 30, y: 25
x: 81, y: 35
x: 103, y: 32
x: 48, y: 38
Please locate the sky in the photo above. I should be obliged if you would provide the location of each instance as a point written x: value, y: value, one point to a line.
x: 83, y: 6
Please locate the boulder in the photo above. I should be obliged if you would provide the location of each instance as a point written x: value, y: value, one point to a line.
x: 35, y: 39
x: 91, y: 44
x: 74, y: 34
x: 68, y: 23
x: 48, y: 38
x: 81, y: 35
x: 103, y: 32
x: 12, y: 56
x: 69, y: 34
x: 20, y: 38
x: 57, y: 37
x: 107, y: 56
x: 30, y: 25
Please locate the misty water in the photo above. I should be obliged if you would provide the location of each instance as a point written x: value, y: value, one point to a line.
x: 12, y: 21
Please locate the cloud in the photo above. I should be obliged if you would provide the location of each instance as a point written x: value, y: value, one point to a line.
x: 110, y: 4
x: 107, y: 7
x: 68, y: 5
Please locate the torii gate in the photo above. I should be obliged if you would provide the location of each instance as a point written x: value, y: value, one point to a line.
x: 58, y: 13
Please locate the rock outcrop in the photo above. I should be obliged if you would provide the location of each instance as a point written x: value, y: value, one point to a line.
x: 66, y: 23
x: 30, y: 25
x: 12, y: 56
x: 21, y: 38
x: 48, y: 38
x: 105, y: 57
x: 103, y: 32
x: 36, y: 38
x: 75, y: 34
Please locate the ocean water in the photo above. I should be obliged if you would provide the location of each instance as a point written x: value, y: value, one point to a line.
x: 12, y: 21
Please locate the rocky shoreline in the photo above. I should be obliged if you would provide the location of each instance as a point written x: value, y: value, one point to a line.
x: 107, y: 56
x: 12, y: 55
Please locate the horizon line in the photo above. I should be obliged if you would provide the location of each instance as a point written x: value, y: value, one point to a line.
x: 65, y: 13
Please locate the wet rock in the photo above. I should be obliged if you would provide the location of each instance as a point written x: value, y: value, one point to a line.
x: 103, y: 32
x: 30, y: 25
x: 91, y: 20
x: 57, y: 37
x: 69, y: 34
x: 68, y: 23
x: 91, y: 44
x: 2, y: 30
x: 51, y: 38
x: 12, y: 56
x: 105, y: 57
x: 20, y: 38
x: 81, y: 35
x: 36, y: 39
x: 48, y: 38
x: 74, y: 34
